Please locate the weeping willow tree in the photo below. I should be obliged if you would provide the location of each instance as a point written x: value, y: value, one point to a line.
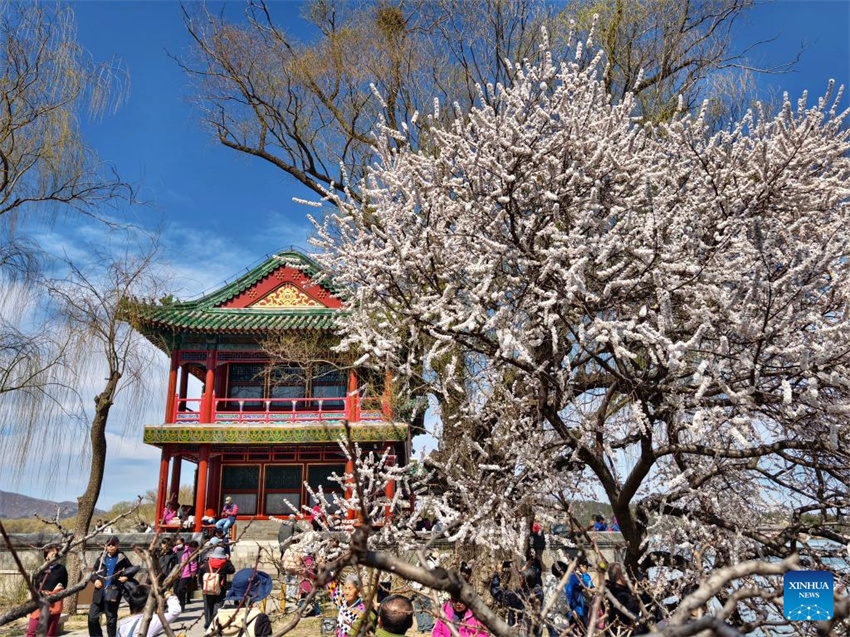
x: 47, y: 83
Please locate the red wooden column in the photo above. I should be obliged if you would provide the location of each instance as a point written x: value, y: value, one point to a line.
x: 184, y: 387
x: 213, y: 485
x: 176, y: 465
x: 162, y: 486
x: 390, y: 488
x: 387, y: 398
x: 349, y: 490
x: 203, y: 477
x: 208, y: 405
x: 352, y: 403
x: 172, y: 388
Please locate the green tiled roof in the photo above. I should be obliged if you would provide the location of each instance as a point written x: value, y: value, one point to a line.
x: 217, y: 320
x: 203, y: 315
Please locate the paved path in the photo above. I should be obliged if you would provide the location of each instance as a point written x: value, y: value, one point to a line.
x: 194, y: 611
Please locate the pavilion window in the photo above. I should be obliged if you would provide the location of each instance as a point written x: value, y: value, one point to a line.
x: 245, y: 382
x: 319, y: 475
x: 330, y: 382
x: 288, y: 381
x: 242, y: 483
x: 283, y: 490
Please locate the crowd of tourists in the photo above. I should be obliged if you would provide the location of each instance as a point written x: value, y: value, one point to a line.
x: 519, y: 591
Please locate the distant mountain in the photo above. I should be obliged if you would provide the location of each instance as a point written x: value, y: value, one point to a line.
x: 15, y: 505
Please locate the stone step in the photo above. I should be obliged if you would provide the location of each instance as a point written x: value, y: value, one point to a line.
x: 258, y: 530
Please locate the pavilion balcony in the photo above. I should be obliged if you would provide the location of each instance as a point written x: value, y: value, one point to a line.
x: 281, y: 411
x: 278, y: 421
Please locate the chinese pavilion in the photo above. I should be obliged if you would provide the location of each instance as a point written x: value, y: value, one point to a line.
x: 263, y: 425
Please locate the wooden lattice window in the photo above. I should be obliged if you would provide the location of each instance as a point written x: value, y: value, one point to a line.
x: 245, y: 381
x: 288, y: 381
x: 330, y: 382
x: 242, y: 483
x: 320, y: 475
x: 283, y: 488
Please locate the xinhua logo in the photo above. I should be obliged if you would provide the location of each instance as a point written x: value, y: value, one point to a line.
x: 808, y: 595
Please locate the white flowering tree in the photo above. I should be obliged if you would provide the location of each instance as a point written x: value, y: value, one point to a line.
x: 651, y: 315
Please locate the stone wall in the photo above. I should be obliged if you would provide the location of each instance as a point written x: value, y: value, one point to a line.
x: 245, y: 553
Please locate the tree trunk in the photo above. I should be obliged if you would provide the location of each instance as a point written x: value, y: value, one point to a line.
x: 86, y: 502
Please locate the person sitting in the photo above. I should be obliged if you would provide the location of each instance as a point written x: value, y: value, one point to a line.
x: 188, y: 517
x: 598, y: 523
x: 347, y: 600
x: 228, y: 515
x: 615, y: 526
x: 461, y: 617
x: 168, y: 514
x: 239, y: 615
x: 137, y: 598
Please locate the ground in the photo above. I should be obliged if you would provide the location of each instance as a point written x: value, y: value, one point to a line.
x: 76, y: 626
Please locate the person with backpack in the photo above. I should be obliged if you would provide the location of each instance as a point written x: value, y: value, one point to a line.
x: 238, y: 614
x: 190, y: 570
x: 51, y: 580
x: 213, y: 573
x: 137, y: 597
x: 109, y: 574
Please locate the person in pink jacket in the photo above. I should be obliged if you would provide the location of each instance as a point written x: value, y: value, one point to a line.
x: 190, y: 570
x: 464, y: 621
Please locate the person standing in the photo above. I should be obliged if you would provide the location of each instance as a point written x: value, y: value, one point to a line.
x: 166, y: 559
x: 190, y: 570
x: 620, y: 590
x: 576, y: 593
x: 228, y: 515
x: 393, y: 618
x: 554, y: 596
x: 524, y: 599
x: 111, y: 570
x: 213, y: 573
x: 461, y: 617
x: 537, y: 541
x: 347, y: 599
x: 51, y: 580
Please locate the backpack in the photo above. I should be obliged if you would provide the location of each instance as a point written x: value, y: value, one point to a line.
x: 212, y: 583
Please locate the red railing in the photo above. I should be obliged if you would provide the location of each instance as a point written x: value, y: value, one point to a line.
x: 353, y: 408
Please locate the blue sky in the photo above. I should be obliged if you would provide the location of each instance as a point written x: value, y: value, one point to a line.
x: 221, y: 211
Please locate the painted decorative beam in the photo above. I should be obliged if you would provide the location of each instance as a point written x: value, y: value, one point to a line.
x: 326, y: 432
